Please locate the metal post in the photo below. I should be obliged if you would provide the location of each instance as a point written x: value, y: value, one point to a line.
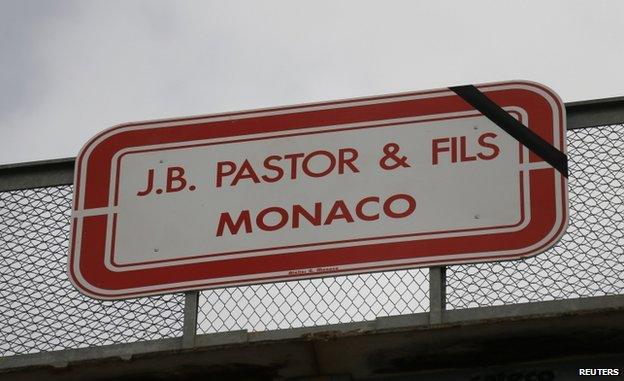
x: 189, y: 330
x: 437, y: 294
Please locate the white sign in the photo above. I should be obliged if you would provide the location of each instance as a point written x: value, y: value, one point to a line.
x: 315, y: 190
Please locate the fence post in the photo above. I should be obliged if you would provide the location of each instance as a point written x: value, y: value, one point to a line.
x: 189, y: 330
x: 437, y: 294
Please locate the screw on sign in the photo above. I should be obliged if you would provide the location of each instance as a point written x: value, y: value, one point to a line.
x: 445, y: 176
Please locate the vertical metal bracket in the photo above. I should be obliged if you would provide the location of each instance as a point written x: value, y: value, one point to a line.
x: 437, y: 294
x: 191, y: 299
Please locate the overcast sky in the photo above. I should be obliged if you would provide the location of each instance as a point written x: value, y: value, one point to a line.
x: 69, y: 69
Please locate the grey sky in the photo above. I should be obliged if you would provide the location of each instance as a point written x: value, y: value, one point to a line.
x: 69, y: 69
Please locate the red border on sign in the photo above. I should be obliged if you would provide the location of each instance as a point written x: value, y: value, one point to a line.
x: 320, y: 244
x: 90, y: 275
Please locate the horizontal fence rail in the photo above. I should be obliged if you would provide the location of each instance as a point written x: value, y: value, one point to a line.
x: 40, y: 311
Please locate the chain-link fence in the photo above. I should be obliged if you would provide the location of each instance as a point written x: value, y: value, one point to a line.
x: 314, y: 302
x: 588, y: 260
x: 41, y: 311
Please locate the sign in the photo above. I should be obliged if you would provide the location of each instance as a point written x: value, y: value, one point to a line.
x: 363, y: 185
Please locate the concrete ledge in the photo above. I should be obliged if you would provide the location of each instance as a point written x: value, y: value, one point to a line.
x: 590, y: 320
x: 37, y: 174
x: 61, y: 359
x: 598, y: 112
x: 523, y: 310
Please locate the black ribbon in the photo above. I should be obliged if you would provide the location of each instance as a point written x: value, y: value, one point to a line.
x: 513, y: 127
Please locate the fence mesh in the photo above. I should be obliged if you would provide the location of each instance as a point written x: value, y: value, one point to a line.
x: 587, y: 261
x: 314, y: 302
x: 41, y: 311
